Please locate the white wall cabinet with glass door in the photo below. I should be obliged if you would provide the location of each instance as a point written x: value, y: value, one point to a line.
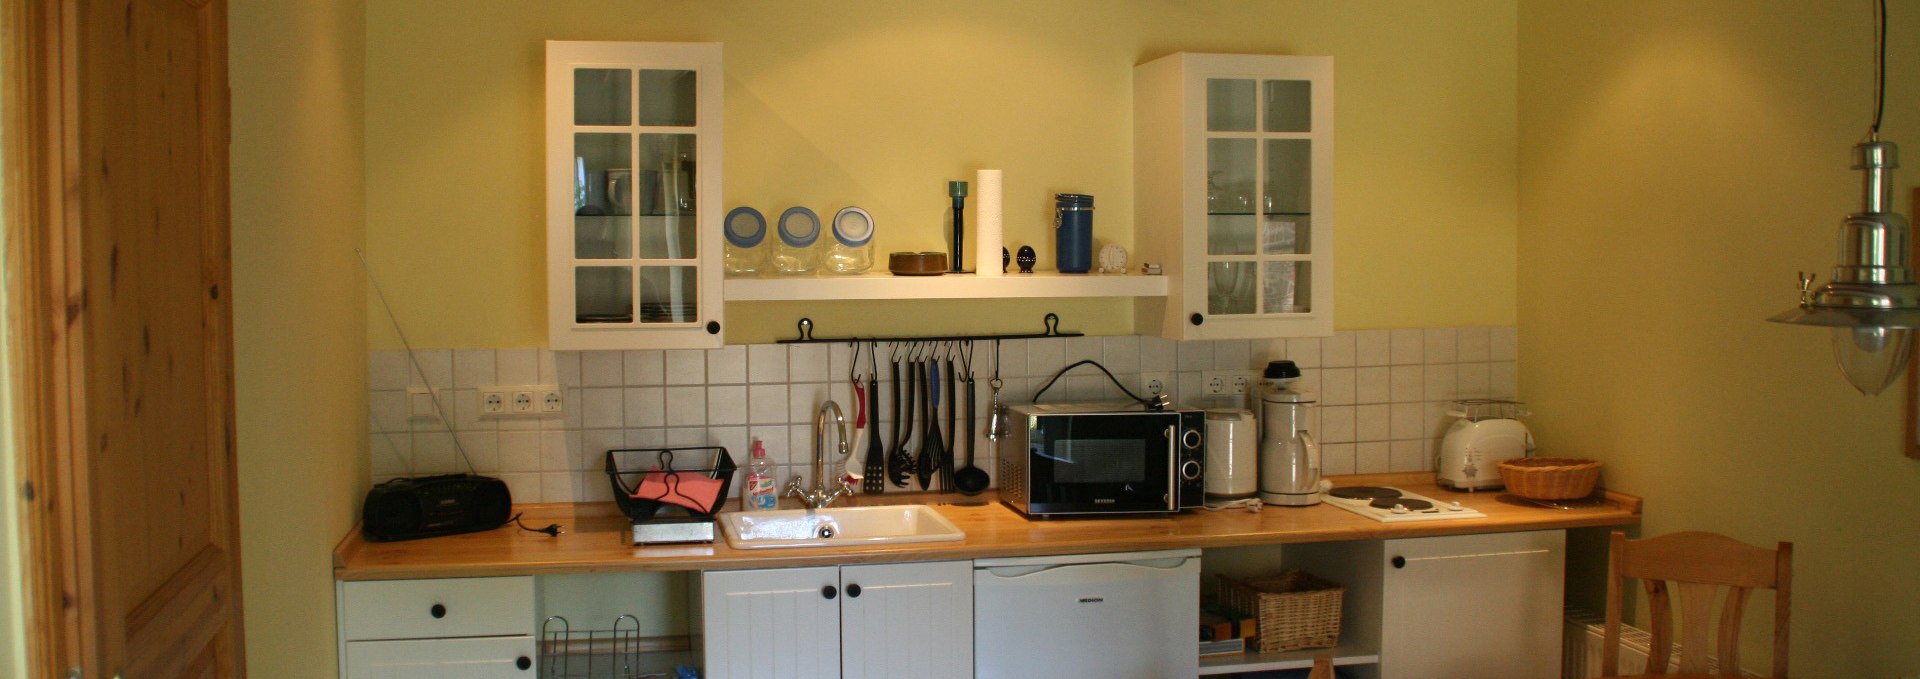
x: 633, y: 195
x: 1233, y: 194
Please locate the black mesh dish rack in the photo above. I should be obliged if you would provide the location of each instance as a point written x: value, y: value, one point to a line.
x: 716, y: 465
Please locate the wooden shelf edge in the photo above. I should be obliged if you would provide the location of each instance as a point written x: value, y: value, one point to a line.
x: 1289, y: 660
x: 951, y: 286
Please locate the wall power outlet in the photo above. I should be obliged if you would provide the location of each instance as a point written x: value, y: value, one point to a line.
x: 1226, y: 382
x: 530, y: 400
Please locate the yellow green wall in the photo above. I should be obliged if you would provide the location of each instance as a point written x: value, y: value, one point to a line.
x: 299, y: 319
x: 878, y: 103
x: 1679, y: 162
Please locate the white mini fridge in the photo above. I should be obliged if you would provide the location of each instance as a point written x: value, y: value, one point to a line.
x: 1129, y: 615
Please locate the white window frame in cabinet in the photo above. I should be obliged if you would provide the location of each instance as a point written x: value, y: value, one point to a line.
x: 706, y: 331
x: 1170, y: 187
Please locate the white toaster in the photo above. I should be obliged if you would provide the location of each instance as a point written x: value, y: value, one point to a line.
x: 1471, y: 453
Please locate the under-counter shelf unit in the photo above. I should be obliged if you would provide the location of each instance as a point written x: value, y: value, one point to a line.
x: 1233, y: 194
x: 950, y: 286
x: 633, y: 195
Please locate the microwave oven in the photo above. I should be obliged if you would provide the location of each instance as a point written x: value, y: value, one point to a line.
x: 1105, y: 458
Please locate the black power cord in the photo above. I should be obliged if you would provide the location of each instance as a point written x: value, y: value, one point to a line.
x: 1159, y: 403
x: 551, y: 530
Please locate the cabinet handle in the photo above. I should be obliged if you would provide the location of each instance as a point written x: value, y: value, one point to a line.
x: 1399, y: 562
x: 1196, y: 319
x: 853, y: 592
x: 713, y: 327
x: 523, y: 662
x: 829, y: 592
x: 438, y: 611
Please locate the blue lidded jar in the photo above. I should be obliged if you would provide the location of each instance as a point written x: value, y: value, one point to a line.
x: 746, y: 228
x: 1073, y: 232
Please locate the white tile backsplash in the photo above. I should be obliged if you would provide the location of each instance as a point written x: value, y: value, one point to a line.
x: 1383, y: 396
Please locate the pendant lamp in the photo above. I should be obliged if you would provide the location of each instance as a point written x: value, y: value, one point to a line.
x: 1871, y: 303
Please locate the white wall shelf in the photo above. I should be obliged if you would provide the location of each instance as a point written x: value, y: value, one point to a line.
x: 950, y: 286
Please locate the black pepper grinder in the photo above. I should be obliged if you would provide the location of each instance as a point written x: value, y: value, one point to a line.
x: 957, y: 190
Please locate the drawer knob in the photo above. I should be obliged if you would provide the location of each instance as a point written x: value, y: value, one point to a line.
x: 1399, y: 562
x: 829, y: 592
x: 523, y: 662
x: 853, y: 591
x: 438, y: 611
x: 1197, y: 319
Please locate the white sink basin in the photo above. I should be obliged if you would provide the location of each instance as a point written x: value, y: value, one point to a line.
x: 837, y: 526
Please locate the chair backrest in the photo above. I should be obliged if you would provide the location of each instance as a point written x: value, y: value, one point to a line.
x: 1698, y: 564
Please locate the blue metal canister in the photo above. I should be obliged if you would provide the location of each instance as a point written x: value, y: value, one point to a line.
x: 1073, y: 232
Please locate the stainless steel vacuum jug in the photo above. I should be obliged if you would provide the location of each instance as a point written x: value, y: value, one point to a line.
x: 1289, y: 457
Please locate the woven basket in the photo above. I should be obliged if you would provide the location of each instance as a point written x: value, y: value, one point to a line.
x: 1550, y: 478
x: 1294, y: 610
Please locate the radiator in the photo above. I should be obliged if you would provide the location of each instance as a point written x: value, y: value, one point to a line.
x: 1586, y: 634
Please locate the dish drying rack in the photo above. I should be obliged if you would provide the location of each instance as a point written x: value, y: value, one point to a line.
x: 669, y: 504
x: 1477, y: 409
x: 617, y: 653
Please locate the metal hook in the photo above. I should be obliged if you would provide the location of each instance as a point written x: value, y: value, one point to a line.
x: 853, y: 366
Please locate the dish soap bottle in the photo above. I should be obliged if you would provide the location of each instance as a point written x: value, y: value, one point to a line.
x: 760, y: 493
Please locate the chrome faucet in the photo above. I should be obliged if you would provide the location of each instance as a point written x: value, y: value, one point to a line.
x: 818, y: 496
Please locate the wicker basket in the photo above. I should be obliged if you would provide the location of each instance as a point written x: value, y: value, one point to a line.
x: 1294, y: 610
x: 1550, y: 478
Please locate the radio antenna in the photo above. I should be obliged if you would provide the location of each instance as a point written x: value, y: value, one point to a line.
x: 432, y: 394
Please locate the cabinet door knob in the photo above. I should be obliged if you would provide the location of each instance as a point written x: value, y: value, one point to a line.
x: 713, y: 327
x: 853, y: 591
x: 523, y: 662
x: 829, y: 592
x: 1196, y: 319
x: 1399, y: 562
x: 438, y: 611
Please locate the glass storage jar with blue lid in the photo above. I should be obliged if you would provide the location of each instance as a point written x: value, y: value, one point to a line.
x: 794, y: 253
x: 851, y: 251
x: 746, y: 228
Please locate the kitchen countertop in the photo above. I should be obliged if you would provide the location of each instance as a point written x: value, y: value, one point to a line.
x: 594, y: 541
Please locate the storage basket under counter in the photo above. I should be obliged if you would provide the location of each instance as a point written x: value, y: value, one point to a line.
x: 1293, y: 610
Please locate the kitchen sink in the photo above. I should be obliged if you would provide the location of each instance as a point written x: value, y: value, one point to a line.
x: 837, y: 526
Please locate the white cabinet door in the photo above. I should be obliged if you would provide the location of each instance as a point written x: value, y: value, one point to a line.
x: 1233, y: 194
x: 1473, y: 606
x: 907, y: 620
x: 633, y: 195
x: 778, y: 623
x: 475, y: 658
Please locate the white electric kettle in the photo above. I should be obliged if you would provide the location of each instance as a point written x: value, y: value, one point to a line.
x: 1289, y: 457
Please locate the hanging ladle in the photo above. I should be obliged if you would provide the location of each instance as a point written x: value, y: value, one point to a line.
x: 970, y: 480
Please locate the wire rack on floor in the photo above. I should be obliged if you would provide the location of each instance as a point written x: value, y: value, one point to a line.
x: 618, y: 653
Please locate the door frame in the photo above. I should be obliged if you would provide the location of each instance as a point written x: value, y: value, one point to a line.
x: 37, y: 235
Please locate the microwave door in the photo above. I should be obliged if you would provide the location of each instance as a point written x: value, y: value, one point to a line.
x: 1102, y: 464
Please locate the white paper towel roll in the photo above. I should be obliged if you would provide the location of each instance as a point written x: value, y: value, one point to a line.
x: 987, y: 237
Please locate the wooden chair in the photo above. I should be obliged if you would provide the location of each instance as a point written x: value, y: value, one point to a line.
x: 1698, y: 564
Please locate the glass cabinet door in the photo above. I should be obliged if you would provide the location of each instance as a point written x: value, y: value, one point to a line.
x: 633, y: 166
x: 1259, y: 198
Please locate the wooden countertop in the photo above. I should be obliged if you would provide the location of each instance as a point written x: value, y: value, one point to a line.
x: 594, y: 541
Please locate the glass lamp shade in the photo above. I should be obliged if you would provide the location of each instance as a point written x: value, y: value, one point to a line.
x: 1871, y: 357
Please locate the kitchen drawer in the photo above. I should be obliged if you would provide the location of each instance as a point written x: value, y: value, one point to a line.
x: 449, y: 607
x: 481, y: 658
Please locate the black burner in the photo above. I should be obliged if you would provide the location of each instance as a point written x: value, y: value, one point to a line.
x: 1364, y: 492
x: 1409, y: 503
